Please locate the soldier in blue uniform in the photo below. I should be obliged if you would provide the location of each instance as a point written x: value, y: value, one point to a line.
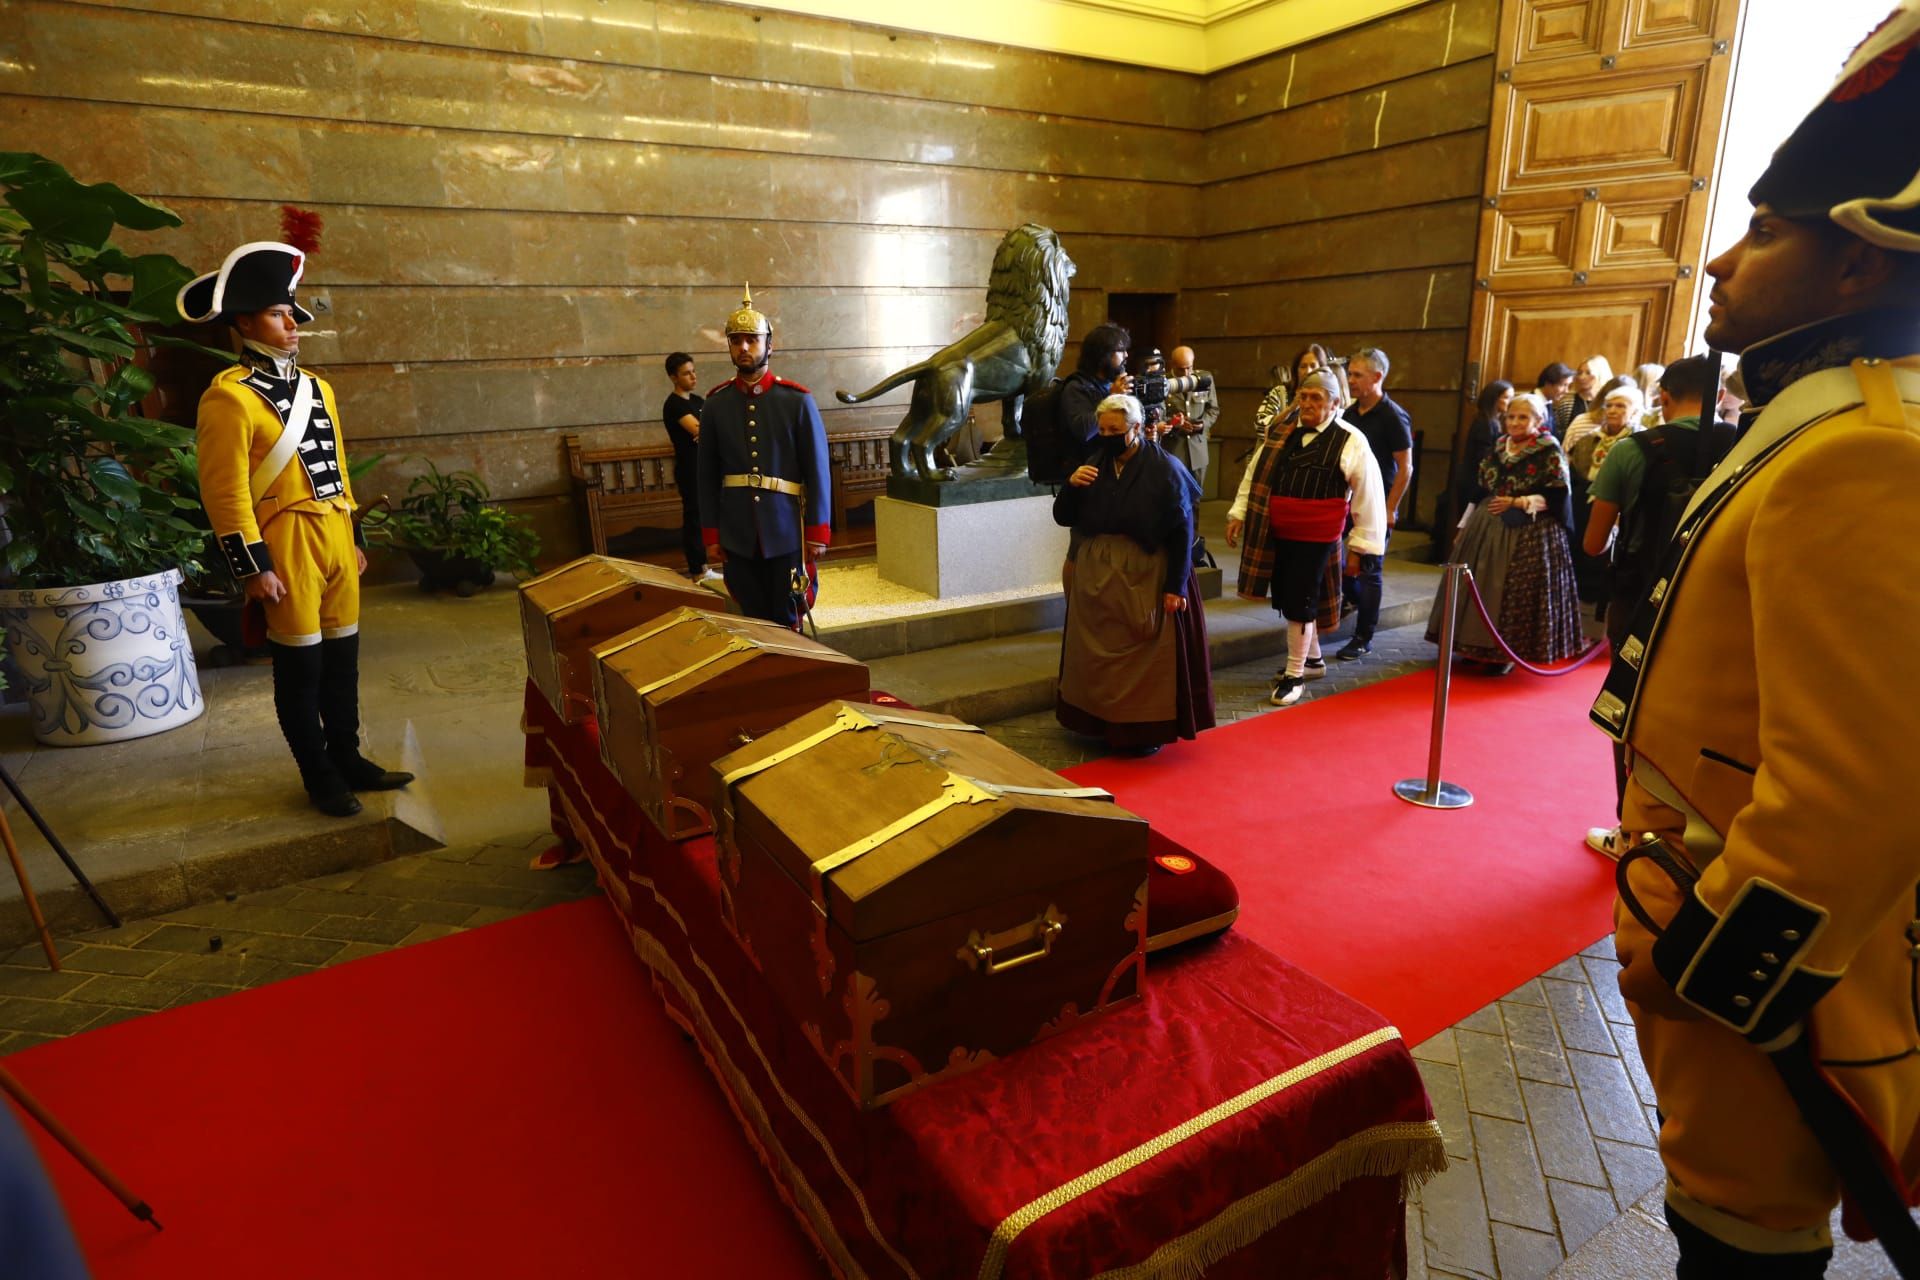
x: 765, y: 502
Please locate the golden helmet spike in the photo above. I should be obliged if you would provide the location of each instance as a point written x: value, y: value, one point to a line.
x: 746, y: 319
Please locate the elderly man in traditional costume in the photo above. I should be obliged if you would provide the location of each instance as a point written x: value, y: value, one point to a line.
x: 273, y: 478
x: 1323, y: 474
x: 765, y: 496
x: 1765, y: 692
x: 1134, y: 667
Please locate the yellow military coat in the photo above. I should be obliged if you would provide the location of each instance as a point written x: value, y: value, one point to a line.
x: 1774, y: 736
x: 237, y: 429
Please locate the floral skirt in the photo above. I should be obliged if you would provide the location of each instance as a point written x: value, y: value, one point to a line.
x: 1525, y: 575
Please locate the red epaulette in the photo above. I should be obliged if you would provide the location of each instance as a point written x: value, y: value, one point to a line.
x: 787, y: 382
x: 718, y: 389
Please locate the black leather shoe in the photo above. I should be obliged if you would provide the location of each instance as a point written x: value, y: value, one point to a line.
x: 335, y: 804
x: 365, y: 775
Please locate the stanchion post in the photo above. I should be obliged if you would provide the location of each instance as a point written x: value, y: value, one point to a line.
x: 1432, y: 792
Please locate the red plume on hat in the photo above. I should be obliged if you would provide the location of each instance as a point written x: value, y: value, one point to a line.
x: 300, y: 228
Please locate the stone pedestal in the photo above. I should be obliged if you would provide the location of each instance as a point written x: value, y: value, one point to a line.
x: 979, y: 547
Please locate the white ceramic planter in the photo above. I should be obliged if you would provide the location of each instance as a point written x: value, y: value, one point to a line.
x: 105, y: 662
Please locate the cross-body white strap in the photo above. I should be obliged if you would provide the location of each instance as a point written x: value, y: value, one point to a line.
x: 292, y: 432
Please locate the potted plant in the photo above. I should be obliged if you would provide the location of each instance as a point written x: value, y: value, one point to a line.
x: 448, y: 527
x: 93, y: 548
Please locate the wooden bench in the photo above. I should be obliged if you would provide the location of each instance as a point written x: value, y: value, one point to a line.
x: 629, y: 487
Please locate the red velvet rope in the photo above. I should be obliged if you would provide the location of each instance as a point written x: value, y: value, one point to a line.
x: 1591, y: 652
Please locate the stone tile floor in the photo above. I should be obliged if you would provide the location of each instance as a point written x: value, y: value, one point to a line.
x: 1546, y: 1108
x: 218, y: 948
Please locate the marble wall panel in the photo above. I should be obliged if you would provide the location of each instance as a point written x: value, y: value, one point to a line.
x: 1436, y: 102
x: 785, y: 47
x: 1422, y: 361
x: 1445, y: 168
x: 1436, y: 297
x: 1421, y: 236
x: 130, y: 56
x: 1434, y: 35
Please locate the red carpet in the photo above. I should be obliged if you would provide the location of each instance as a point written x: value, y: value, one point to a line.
x: 1424, y: 915
x: 468, y: 1107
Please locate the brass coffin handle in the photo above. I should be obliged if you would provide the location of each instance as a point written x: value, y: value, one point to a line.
x: 986, y: 951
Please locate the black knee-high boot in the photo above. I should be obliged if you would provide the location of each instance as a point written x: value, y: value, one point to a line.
x: 296, y: 702
x: 340, y: 713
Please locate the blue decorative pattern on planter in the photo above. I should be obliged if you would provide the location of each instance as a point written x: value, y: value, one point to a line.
x: 104, y: 661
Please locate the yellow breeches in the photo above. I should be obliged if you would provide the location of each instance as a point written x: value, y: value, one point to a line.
x: 314, y: 555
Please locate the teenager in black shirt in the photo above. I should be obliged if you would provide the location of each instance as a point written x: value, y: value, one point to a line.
x: 681, y: 413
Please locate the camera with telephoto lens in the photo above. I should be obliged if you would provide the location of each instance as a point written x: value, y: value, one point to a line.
x: 1152, y: 386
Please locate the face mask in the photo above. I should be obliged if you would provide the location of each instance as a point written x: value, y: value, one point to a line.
x: 1112, y: 446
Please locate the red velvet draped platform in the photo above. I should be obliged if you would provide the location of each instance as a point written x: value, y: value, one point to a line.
x: 1241, y: 1113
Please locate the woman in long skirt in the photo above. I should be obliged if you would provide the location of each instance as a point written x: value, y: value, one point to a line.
x: 1518, y: 544
x: 1134, y: 667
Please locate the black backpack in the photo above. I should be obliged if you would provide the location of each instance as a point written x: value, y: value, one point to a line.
x: 1051, y: 454
x: 1678, y: 461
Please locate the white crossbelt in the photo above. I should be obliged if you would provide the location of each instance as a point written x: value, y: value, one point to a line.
x: 292, y: 432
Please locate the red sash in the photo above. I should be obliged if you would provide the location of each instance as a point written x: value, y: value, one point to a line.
x: 1307, y: 519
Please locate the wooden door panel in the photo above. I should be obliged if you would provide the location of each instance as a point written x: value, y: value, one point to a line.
x: 1652, y: 22
x: 1557, y: 29
x: 1567, y: 132
x: 1648, y: 231
x: 1533, y: 329
x: 1606, y: 116
x: 1541, y: 239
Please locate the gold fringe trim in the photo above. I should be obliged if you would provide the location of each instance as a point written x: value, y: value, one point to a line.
x: 788, y: 1179
x: 637, y: 881
x: 995, y: 1260
x: 536, y: 776
x: 1410, y: 1151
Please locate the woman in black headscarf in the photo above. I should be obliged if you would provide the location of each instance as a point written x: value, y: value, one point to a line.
x: 1133, y: 665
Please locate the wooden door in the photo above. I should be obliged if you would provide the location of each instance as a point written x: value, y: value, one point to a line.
x: 1607, y: 116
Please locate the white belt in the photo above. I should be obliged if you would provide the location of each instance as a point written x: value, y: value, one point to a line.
x: 758, y: 481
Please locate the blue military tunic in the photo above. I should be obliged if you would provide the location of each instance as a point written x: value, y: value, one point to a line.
x: 769, y: 428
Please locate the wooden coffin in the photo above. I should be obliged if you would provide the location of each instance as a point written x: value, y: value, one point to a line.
x: 922, y: 899
x: 679, y: 693
x: 566, y: 611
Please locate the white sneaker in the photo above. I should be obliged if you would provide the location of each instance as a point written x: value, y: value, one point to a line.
x: 1608, y: 842
x: 711, y: 575
x: 1287, y: 692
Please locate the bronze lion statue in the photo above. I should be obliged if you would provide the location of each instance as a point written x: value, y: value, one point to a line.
x: 1009, y: 357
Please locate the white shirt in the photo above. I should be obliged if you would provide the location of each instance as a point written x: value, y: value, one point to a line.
x: 1366, y: 496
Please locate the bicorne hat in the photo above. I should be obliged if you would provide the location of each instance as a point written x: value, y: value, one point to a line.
x: 746, y: 319
x: 254, y: 277
x: 1856, y: 157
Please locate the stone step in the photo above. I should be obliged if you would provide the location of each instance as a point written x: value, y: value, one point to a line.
x: 159, y: 826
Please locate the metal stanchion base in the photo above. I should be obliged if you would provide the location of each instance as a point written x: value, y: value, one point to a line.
x: 1448, y: 796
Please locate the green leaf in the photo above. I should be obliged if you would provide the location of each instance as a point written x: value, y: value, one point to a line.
x: 108, y: 347
x: 188, y: 344
x: 131, y: 211
x: 6, y: 477
x: 19, y: 554
x: 62, y: 209
x: 20, y: 167
x: 90, y: 514
x: 157, y: 278
x: 116, y: 481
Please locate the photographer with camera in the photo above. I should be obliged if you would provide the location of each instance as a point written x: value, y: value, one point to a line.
x: 1192, y: 408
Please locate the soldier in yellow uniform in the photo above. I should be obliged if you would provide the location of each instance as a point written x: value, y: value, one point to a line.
x: 1769, y: 700
x: 273, y: 478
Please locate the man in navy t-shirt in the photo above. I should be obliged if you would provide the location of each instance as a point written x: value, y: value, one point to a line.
x: 1389, y: 433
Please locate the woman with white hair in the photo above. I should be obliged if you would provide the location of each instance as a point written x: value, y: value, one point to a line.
x: 1518, y: 543
x: 1134, y: 667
